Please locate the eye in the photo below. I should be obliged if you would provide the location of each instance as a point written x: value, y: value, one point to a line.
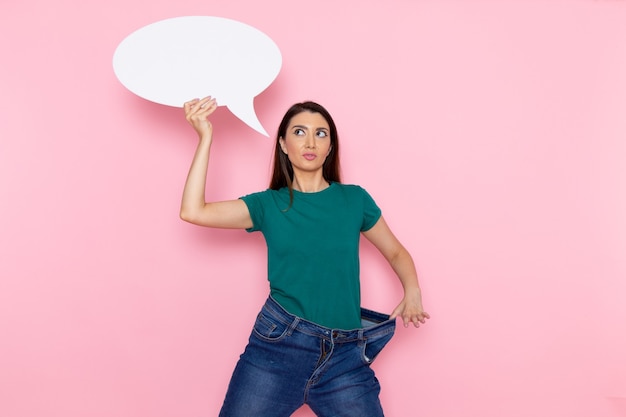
x: 298, y: 132
x: 322, y: 134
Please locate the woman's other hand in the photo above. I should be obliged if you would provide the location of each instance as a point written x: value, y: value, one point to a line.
x: 410, y: 309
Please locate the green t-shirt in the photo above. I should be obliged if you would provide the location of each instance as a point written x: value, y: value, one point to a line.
x: 313, y: 250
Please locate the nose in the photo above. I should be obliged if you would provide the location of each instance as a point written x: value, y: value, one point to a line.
x: 310, y: 141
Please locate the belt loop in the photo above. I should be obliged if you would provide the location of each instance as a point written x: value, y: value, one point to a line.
x: 361, y: 334
x: 293, y: 325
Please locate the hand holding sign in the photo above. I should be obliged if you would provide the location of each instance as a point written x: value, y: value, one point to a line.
x: 174, y: 60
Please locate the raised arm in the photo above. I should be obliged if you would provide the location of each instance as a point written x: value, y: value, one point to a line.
x: 194, y: 208
x: 410, y: 308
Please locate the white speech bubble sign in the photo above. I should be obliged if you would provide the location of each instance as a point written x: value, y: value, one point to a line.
x: 174, y: 60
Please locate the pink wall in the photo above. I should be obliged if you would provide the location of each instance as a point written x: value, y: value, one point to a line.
x: 492, y: 134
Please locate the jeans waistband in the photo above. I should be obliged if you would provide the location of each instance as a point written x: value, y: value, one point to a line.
x: 374, y: 324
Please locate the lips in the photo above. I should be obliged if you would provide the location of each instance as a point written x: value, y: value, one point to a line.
x: 309, y: 156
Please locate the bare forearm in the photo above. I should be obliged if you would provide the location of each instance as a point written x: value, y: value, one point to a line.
x: 404, y: 267
x: 410, y: 308
x: 193, y: 199
x: 232, y: 214
x: 196, y: 112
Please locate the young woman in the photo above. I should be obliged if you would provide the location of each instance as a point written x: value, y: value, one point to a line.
x: 311, y: 343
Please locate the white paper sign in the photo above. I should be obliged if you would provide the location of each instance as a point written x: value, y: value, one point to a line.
x: 175, y: 60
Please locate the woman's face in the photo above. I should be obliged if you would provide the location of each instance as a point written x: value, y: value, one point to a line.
x: 307, y: 141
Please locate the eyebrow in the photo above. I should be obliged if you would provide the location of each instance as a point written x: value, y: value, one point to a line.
x: 306, y: 127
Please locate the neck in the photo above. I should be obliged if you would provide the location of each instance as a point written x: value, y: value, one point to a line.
x: 309, y: 183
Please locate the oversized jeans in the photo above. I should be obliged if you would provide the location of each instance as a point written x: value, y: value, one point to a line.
x: 290, y: 362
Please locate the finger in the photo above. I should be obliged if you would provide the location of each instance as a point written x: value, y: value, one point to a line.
x: 207, y: 102
x: 410, y: 319
x: 189, y: 104
x: 420, y: 318
x: 199, y: 114
x: 203, y: 114
x: 210, y: 107
x: 197, y: 105
x: 395, y: 313
x: 205, y: 108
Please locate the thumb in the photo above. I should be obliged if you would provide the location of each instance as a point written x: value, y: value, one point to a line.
x: 396, y: 312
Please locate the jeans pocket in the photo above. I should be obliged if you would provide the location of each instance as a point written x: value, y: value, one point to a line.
x: 268, y: 328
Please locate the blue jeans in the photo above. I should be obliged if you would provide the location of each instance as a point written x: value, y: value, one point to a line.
x: 290, y: 362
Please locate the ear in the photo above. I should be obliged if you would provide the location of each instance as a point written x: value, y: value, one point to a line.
x: 281, y: 141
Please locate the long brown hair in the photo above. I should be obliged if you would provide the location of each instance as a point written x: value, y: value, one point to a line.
x: 282, y: 173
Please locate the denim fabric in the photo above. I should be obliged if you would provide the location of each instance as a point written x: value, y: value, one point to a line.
x: 290, y: 362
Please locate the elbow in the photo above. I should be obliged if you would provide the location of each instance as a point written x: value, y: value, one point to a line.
x: 194, y: 215
x: 186, y: 215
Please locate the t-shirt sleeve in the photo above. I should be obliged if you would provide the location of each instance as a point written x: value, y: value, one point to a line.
x: 256, y: 208
x: 371, y: 212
